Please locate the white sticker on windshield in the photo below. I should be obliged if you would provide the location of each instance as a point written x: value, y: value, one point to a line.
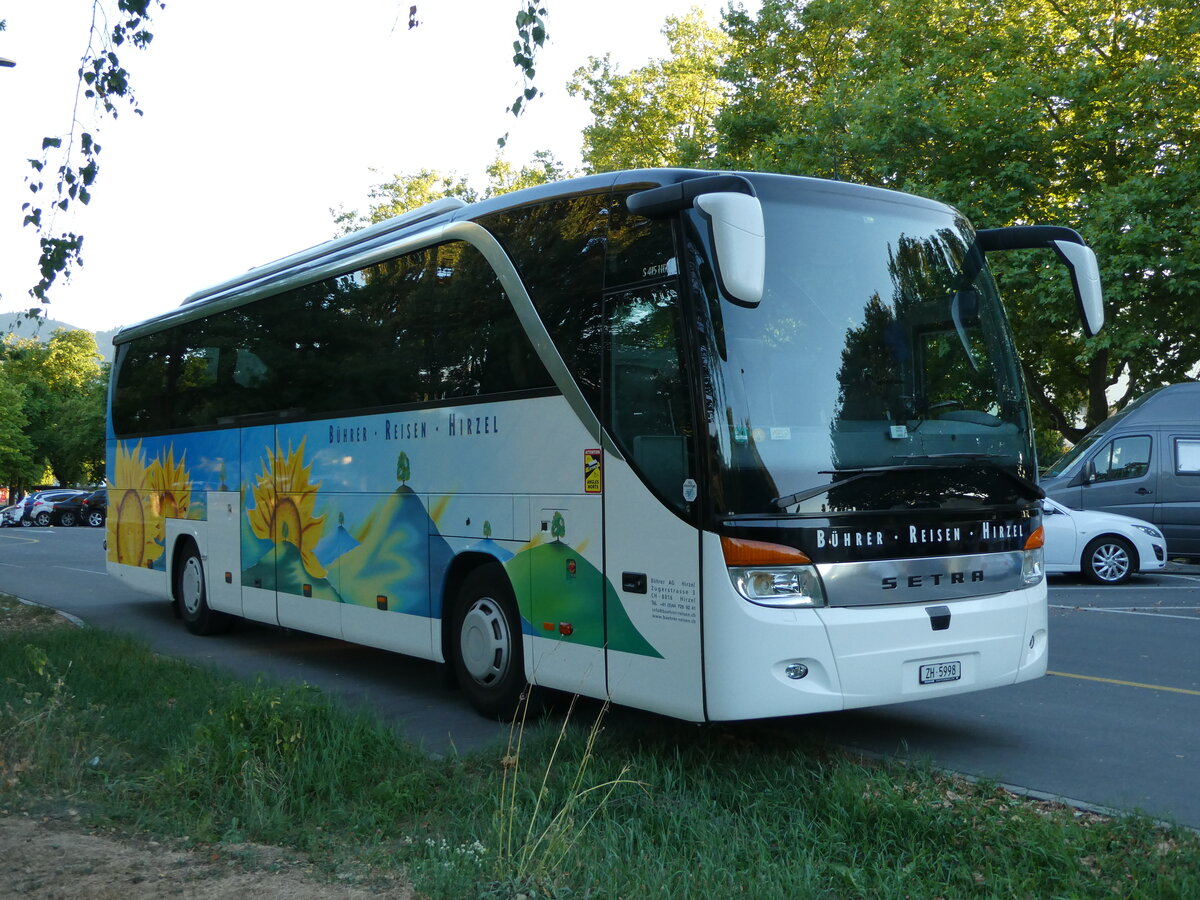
x: 689, y: 490
x: 781, y: 434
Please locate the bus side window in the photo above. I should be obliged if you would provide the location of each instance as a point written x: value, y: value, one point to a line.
x: 649, y: 408
x: 140, y: 402
x: 482, y: 348
x: 558, y: 250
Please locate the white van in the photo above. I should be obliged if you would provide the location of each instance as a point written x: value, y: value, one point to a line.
x: 1143, y: 461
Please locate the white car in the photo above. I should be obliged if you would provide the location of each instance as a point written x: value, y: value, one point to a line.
x: 1106, y: 548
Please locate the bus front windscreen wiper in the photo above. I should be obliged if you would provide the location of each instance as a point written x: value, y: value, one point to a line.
x: 854, y: 475
x: 1030, y: 489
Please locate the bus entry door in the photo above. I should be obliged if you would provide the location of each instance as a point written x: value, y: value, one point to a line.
x: 651, y: 551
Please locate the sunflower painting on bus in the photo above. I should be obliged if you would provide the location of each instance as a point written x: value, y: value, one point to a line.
x: 284, y: 518
x: 143, y: 496
x: 134, y: 526
x: 171, y: 485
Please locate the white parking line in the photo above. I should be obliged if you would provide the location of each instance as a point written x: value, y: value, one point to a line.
x: 1133, y: 611
x: 1097, y: 587
x: 89, y: 571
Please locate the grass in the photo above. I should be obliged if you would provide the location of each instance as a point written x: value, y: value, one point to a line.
x: 144, y: 744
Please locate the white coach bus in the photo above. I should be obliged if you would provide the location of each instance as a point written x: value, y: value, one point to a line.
x: 719, y: 446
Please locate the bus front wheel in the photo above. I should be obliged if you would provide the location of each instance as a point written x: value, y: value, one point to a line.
x: 486, y: 644
x: 191, y: 596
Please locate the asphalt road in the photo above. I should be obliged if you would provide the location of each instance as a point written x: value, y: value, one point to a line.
x: 1116, y: 725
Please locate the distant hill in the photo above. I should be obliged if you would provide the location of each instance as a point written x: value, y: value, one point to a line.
x: 17, y: 323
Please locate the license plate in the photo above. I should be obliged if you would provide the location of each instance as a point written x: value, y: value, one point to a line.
x: 934, y: 673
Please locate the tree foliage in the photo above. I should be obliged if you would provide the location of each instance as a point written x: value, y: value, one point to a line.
x: 61, y: 385
x: 66, y: 171
x: 531, y: 38
x: 406, y: 192
x: 1017, y: 112
x: 663, y: 113
x: 17, y: 464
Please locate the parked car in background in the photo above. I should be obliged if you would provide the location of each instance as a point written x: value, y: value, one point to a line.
x: 1143, y: 461
x: 26, y: 515
x: 95, y: 508
x: 11, y: 515
x: 1105, y: 547
x: 69, y: 510
x: 41, y: 511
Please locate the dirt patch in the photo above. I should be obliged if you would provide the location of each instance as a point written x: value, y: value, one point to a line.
x: 52, y: 859
x: 16, y: 615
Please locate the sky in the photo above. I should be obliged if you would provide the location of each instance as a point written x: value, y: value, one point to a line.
x: 262, y: 116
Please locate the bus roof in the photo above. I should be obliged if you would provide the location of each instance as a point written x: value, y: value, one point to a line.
x: 430, y: 217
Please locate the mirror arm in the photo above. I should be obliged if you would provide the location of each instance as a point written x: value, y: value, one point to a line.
x: 1072, y: 251
x: 660, y: 202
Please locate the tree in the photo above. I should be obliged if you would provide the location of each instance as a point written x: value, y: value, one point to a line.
x: 1016, y: 111
x: 17, y: 466
x: 544, y: 168
x: 64, y: 386
x: 402, y: 194
x: 663, y: 113
x: 403, y: 468
x: 408, y: 192
x: 558, y: 527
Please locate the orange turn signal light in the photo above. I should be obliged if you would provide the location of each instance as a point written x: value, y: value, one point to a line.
x: 743, y: 553
x: 1036, y: 540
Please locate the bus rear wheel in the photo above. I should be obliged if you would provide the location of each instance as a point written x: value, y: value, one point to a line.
x: 191, y: 596
x: 486, y: 643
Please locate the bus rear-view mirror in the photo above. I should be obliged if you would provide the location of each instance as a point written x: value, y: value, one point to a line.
x: 1076, y: 255
x: 740, y: 242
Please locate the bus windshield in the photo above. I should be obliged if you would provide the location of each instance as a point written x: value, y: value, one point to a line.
x: 880, y: 353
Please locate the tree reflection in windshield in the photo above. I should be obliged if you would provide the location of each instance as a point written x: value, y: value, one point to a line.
x: 880, y: 339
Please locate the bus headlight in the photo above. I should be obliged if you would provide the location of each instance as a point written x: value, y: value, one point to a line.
x: 1032, y: 563
x: 790, y: 586
x: 772, y: 574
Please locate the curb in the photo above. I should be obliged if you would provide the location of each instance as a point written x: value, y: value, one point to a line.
x: 74, y: 620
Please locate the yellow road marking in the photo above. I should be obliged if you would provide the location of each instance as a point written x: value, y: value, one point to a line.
x: 1136, y: 684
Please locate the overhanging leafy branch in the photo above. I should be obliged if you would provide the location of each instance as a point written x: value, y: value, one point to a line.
x: 71, y: 162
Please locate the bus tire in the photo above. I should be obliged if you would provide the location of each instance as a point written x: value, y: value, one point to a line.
x: 191, y: 596
x: 486, y: 645
x: 1109, y: 560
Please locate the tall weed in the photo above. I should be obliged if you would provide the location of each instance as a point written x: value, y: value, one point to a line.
x: 537, y: 830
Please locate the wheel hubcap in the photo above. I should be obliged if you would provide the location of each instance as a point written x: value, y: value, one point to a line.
x: 485, y: 641
x: 1110, y: 562
x: 191, y: 585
